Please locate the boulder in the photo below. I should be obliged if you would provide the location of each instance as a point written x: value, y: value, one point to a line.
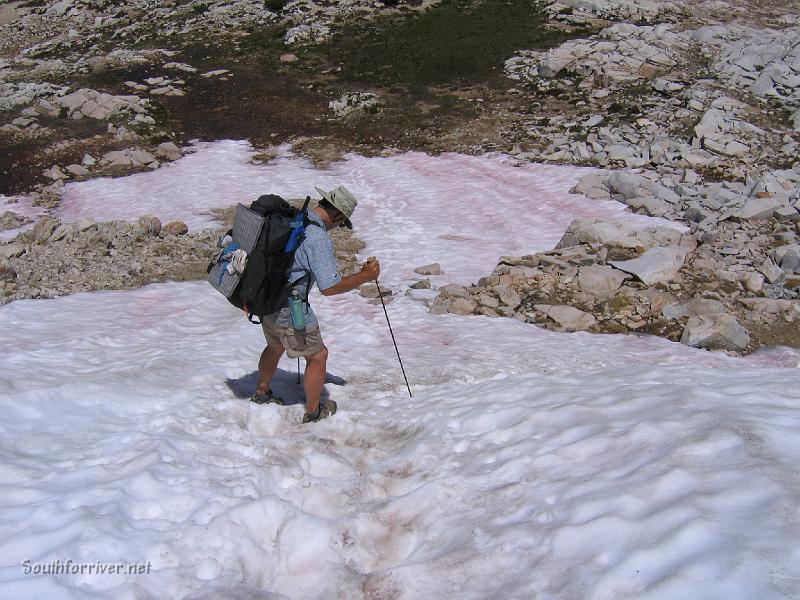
x: 431, y: 269
x: 486, y: 299
x: 715, y: 332
x: 569, y: 317
x: 43, y: 229
x: 148, y: 226
x: 593, y: 231
x: 790, y: 261
x: 786, y: 214
x: 422, y: 284
x: 461, y: 306
x: 452, y: 290
x: 508, y: 296
x: 117, y: 158
x: 54, y: 173
x: 771, y: 272
x: 752, y: 281
x: 176, y: 228
x: 140, y: 157
x: 656, y: 265
x: 694, y: 308
x: 757, y: 209
x: 371, y: 290
x: 7, y: 272
x: 599, y: 281
x: 13, y: 250
x: 168, y: 151
x: 78, y: 170
x: 592, y: 186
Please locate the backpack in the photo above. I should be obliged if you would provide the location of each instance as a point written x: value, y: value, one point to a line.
x: 269, y: 232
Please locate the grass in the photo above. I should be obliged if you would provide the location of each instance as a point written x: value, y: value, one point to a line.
x: 456, y: 41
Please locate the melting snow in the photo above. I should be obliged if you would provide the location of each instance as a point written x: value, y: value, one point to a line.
x: 528, y: 464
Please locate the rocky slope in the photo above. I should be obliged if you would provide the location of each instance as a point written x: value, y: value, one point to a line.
x: 694, y: 107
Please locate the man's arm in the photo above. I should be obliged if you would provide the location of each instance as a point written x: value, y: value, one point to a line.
x: 369, y: 272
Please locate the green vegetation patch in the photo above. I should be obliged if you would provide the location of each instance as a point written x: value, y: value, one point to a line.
x: 454, y: 41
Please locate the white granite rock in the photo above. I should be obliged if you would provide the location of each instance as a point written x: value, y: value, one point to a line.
x: 656, y: 265
x: 715, y: 332
x: 569, y: 317
x: 599, y: 281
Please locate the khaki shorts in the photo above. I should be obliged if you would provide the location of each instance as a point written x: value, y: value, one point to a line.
x: 303, y: 343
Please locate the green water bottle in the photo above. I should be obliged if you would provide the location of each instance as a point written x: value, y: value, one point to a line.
x: 296, y: 311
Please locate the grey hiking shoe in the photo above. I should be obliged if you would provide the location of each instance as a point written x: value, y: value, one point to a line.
x: 326, y: 408
x: 267, y: 398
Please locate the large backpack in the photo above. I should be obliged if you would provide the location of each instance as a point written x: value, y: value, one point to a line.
x: 270, y: 232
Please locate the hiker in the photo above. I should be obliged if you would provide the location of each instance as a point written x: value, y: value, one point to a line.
x: 314, y: 261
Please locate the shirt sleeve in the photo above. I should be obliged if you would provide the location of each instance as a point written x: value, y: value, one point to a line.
x: 318, y: 247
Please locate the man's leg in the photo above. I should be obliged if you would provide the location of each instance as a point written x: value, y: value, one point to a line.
x: 267, y: 365
x: 316, y: 369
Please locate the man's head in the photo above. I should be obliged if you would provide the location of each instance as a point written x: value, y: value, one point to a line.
x: 339, y: 203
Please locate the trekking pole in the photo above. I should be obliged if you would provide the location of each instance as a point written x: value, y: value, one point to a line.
x: 380, y: 295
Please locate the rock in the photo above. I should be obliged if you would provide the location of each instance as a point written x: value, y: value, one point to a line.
x: 757, y: 208
x: 78, y: 170
x: 599, y: 281
x: 176, y: 228
x: 593, y: 121
x: 460, y: 306
x: 508, y: 296
x: 148, y: 226
x: 715, y: 332
x: 11, y: 220
x: 7, y: 272
x: 764, y: 305
x: 371, y: 290
x: 772, y: 272
x: 592, y: 186
x: 85, y: 225
x: 592, y: 231
x: 13, y: 250
x: 215, y: 73
x: 422, y: 284
x: 661, y: 84
x: 140, y: 157
x: 486, y: 299
x: 452, y: 290
x: 649, y: 206
x: 54, y: 173
x: 43, y: 229
x: 288, y: 57
x: 432, y: 269
x: 61, y: 232
x: 353, y: 101
x: 656, y: 265
x: 786, y: 214
x: 168, y: 151
x: 694, y: 308
x: 789, y: 258
x: 752, y: 281
x: 569, y: 317
x: 117, y: 158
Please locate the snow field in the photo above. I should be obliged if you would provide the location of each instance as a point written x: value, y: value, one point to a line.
x: 528, y: 464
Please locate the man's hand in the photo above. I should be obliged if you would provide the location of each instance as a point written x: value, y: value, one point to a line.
x: 369, y: 272
x: 371, y: 268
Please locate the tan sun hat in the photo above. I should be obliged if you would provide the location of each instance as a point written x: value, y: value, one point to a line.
x: 342, y: 200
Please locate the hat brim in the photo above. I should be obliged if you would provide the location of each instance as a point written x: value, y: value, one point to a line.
x: 347, y: 222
